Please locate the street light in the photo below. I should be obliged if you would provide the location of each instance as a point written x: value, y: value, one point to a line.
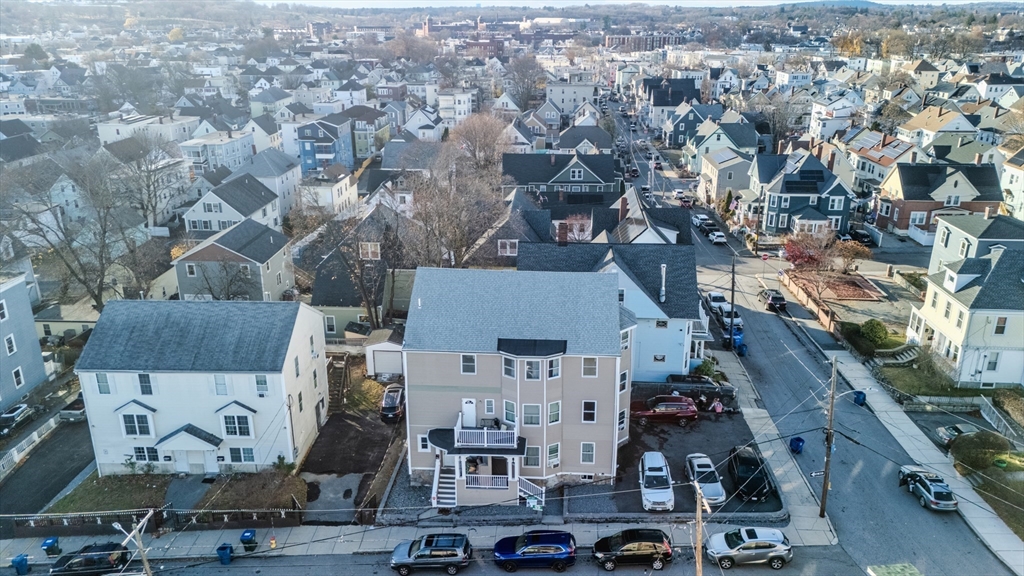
x: 135, y: 535
x: 829, y: 436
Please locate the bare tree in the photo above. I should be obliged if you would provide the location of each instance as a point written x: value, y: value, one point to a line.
x: 849, y: 252
x: 457, y: 202
x: 580, y: 228
x: 707, y: 86
x: 450, y: 67
x: 151, y: 173
x: 482, y: 137
x: 780, y: 117
x: 891, y: 117
x: 87, y: 238
x: 524, y: 75
x: 309, y: 213
x: 225, y: 279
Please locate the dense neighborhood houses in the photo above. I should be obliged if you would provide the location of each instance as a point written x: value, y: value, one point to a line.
x: 341, y: 278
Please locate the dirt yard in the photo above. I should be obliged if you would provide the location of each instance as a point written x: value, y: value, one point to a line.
x: 271, y: 489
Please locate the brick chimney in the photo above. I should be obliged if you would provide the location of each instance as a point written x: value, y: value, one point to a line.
x: 563, y: 234
x: 623, y: 208
x: 831, y: 159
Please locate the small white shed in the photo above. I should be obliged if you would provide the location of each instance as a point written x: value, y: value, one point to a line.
x: 384, y: 352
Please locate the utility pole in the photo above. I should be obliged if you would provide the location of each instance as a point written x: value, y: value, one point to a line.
x: 136, y: 536
x: 828, y: 441
x: 732, y: 305
x: 699, y: 545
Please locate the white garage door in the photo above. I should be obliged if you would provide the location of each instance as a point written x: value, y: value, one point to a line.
x: 387, y: 362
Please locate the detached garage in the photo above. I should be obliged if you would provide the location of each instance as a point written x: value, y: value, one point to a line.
x: 384, y: 353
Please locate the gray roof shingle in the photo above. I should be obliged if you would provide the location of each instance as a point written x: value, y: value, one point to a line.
x: 580, y: 308
x: 245, y: 194
x: 253, y: 240
x: 177, y: 336
x: 998, y: 227
x: 999, y: 285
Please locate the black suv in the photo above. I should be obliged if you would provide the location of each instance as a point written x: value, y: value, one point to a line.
x: 17, y: 416
x: 773, y: 300
x: 392, y: 407
x: 639, y: 546
x: 694, y: 387
x: 707, y: 227
x: 107, y: 558
x: 749, y: 474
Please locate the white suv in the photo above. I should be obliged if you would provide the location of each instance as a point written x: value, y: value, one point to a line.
x: 656, y: 482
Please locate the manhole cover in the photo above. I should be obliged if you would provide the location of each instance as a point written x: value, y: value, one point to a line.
x: 312, y: 491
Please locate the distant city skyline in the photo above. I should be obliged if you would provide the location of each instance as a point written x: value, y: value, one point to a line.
x: 581, y: 3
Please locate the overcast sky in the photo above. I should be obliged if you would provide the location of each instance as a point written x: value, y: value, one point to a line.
x: 564, y: 3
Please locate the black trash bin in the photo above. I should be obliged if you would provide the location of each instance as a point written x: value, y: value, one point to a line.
x: 51, y: 546
x: 224, y: 552
x: 248, y: 540
x: 20, y: 564
x: 859, y: 397
x: 796, y: 444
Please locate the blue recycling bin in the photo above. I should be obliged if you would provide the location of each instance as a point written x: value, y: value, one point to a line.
x: 741, y: 350
x: 20, y: 564
x: 859, y: 397
x: 51, y: 546
x: 224, y: 552
x: 248, y: 540
x: 796, y: 444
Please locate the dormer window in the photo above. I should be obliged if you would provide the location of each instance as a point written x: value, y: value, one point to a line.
x: 576, y: 174
x: 953, y: 200
x: 965, y: 246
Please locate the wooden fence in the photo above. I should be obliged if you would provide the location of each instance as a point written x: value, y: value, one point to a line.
x: 821, y: 311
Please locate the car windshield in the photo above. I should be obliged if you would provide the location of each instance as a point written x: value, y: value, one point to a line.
x: 520, y: 542
x: 615, y: 542
x: 391, y: 399
x: 733, y: 539
x: 717, y: 298
x: 707, y: 477
x: 942, y: 496
x: 415, y: 547
x: 731, y: 314
x: 655, y: 482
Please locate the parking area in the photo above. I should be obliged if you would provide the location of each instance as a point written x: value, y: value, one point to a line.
x: 929, y: 421
x: 708, y: 435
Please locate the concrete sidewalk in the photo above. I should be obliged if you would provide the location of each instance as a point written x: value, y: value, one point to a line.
x: 988, y: 526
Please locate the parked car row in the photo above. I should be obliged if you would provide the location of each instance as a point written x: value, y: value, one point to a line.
x: 556, y: 550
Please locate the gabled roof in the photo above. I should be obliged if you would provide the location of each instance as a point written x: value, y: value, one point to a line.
x: 179, y: 336
x: 999, y: 285
x: 998, y: 227
x: 579, y: 308
x: 270, y: 163
x: 194, y: 431
x: 575, y: 135
x: 271, y: 95
x: 266, y: 123
x: 252, y: 240
x: 245, y: 194
x: 742, y: 135
x: 18, y: 147
x: 920, y: 180
x: 533, y: 168
x: 13, y: 127
x: 641, y: 262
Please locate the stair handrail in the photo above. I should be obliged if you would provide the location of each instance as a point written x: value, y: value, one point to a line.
x: 437, y: 480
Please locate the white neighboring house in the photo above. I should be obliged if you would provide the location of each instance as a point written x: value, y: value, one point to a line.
x: 203, y: 387
x: 505, y: 105
x: 265, y: 133
x: 229, y: 149
x: 167, y: 128
x: 454, y: 105
x: 973, y: 318
x: 275, y: 170
x: 426, y: 124
x: 232, y: 202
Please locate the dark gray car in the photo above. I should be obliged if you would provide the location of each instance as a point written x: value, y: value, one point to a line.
x: 449, y: 552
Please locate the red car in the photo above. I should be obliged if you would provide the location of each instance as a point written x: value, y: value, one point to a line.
x: 678, y: 409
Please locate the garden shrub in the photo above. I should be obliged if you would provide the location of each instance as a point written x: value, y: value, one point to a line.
x: 978, y: 450
x: 874, y: 331
x: 1012, y: 404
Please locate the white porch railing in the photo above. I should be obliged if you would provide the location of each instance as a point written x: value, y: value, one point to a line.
x: 437, y: 479
x: 483, y: 437
x: 486, y: 481
x: 529, y: 489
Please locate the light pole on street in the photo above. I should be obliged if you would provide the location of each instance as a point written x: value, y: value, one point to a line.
x: 136, y: 536
x: 829, y: 436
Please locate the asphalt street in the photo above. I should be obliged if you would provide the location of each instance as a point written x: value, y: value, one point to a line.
x: 876, y: 524
x: 809, y: 561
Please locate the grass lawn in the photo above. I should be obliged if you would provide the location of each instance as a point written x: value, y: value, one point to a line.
x: 918, y: 382
x: 1006, y: 497
x: 893, y: 341
x: 362, y: 393
x: 115, y: 493
x: 269, y: 489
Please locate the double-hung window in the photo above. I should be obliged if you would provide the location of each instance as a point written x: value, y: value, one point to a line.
x: 19, y: 378
x: 576, y: 174
x: 590, y: 411
x: 555, y: 412
x: 532, y: 458
x: 587, y: 450
x: 1000, y: 325
x: 554, y: 368
x: 242, y: 455
x: 531, y: 414
x: 835, y: 203
x: 533, y: 369
x: 136, y: 425
x: 590, y: 367
x: 261, y: 385
x: 146, y: 454
x: 9, y: 343
x: 237, y: 425
x: 469, y: 364
x: 145, y: 385
x: 623, y: 381
x: 510, y: 411
x: 508, y: 367
x: 220, y: 384
x: 553, y: 453
x: 102, y: 385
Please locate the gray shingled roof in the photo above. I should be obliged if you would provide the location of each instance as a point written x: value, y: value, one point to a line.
x: 269, y: 163
x: 999, y: 285
x: 253, y: 240
x: 178, y: 336
x: 468, y: 310
x: 196, y: 432
x: 245, y: 194
x: 533, y: 168
x: 920, y: 180
x: 575, y: 135
x: 642, y: 262
x: 996, y: 228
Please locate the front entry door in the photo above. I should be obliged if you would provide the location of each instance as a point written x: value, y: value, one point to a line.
x: 181, y: 461
x: 448, y: 460
x: 210, y: 462
x: 469, y: 413
x: 319, y: 406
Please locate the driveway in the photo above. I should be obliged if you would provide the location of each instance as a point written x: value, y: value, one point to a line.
x: 47, y: 470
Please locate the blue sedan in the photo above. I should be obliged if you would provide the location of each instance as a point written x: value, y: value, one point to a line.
x: 536, y: 549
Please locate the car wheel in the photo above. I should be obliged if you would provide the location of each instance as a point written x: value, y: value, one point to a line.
x: 683, y: 422
x: 608, y: 565
x: 922, y: 501
x: 451, y: 569
x: 558, y: 566
x: 509, y: 566
x: 776, y: 563
x: 643, y: 421
x: 404, y: 570
x: 725, y: 563
x: 658, y: 563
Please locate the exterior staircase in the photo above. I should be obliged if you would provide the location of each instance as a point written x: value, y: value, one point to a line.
x: 528, y: 489
x: 446, y: 489
x: 901, y: 356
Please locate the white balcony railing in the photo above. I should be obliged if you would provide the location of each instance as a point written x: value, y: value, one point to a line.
x: 483, y: 437
x: 484, y: 481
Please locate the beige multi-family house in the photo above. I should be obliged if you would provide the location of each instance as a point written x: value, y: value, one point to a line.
x: 931, y: 122
x: 516, y: 382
